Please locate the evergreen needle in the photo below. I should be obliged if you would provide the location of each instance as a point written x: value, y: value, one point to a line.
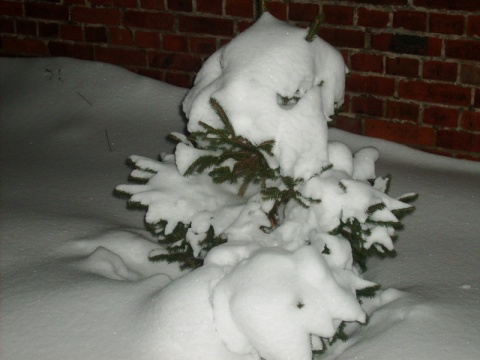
x: 222, y: 115
x: 314, y: 27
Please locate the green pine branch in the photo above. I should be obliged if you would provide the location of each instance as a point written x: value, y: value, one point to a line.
x: 282, y: 196
x: 368, y: 292
x: 178, y: 248
x: 250, y: 165
x: 314, y: 27
x: 340, y: 334
x: 260, y: 8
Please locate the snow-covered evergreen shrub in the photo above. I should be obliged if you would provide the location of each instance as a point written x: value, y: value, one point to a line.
x: 257, y: 190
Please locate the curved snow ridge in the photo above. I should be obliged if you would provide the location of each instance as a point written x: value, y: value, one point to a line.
x: 118, y: 255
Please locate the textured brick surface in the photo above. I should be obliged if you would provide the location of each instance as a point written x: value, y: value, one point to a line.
x: 96, y: 16
x: 403, y: 133
x: 367, y: 62
x: 470, y: 121
x: 402, y: 110
x: 434, y: 93
x: 458, y: 140
x: 414, y: 64
x: 402, y: 66
x: 339, y: 15
x: 441, y: 116
x: 440, y: 70
x: 375, y: 85
x: 373, y: 18
x: 205, y: 25
x: 410, y: 20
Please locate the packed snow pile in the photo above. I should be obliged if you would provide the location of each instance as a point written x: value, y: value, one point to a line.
x: 280, y: 220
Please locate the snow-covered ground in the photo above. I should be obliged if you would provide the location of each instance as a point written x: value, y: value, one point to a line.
x: 76, y: 282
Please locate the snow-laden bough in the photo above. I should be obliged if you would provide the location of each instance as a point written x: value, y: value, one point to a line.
x: 277, y: 220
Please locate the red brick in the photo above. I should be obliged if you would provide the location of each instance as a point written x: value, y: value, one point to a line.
x: 381, y: 2
x: 7, y: 26
x: 151, y: 73
x: 409, y: 134
x: 11, y: 8
x: 241, y: 8
x: 464, y: 5
x: 121, y: 56
x: 49, y: 30
x: 210, y: 6
x: 440, y: 70
x: 410, y: 20
x: 175, y: 43
x: 470, y: 74
x: 463, y: 49
x: 350, y: 124
x: 148, y: 20
x: 178, y: 79
x: 367, y: 105
x: 96, y: 16
x: 446, y: 24
x: 153, y: 4
x: 75, y: 2
x: 471, y: 157
x: 120, y: 36
x: 96, y: 34
x: 203, y: 45
x: 346, y: 104
x: 181, y: 62
x: 26, y: 27
x: 277, y: 9
x: 470, y: 120
x: 372, y: 18
x: 370, y: 85
x: 407, y: 44
x: 458, y: 140
x: 343, y: 37
x: 434, y: 92
x: 402, y: 66
x: 476, y: 100
x: 366, y: 62
x: 338, y: 15
x: 46, y: 11
x: 206, y: 25
x: 302, y: 12
x: 24, y: 46
x: 147, y: 39
x: 180, y: 5
x: 78, y: 51
x: 473, y: 25
x: 380, y: 41
x: 402, y: 111
x: 96, y: 3
x: 440, y: 116
x: 224, y: 42
x: 125, y: 3
x: 244, y: 25
x: 71, y: 32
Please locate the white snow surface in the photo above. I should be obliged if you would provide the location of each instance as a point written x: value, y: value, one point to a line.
x: 76, y: 282
x: 248, y: 77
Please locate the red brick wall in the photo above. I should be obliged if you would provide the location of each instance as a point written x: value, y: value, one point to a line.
x: 415, y: 64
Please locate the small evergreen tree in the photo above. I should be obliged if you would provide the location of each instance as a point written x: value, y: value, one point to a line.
x: 220, y: 182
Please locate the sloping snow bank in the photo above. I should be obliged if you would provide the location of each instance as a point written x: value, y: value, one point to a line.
x: 76, y: 282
